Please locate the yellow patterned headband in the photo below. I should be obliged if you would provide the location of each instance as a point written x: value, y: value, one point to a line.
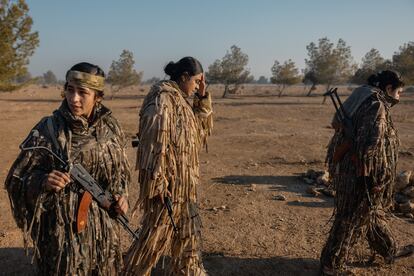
x: 86, y: 80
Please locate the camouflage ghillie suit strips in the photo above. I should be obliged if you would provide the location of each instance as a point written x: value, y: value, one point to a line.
x: 360, y: 213
x: 49, y: 217
x: 171, y: 133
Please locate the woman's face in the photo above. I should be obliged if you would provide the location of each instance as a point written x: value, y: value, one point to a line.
x: 394, y: 93
x: 81, y: 100
x: 189, y: 85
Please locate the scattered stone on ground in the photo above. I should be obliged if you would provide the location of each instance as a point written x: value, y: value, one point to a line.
x: 313, y: 191
x: 222, y: 208
x: 407, y: 207
x: 403, y: 179
x: 328, y: 191
x: 404, y: 194
x: 279, y: 197
x: 317, y: 179
x: 323, y: 179
x: 252, y: 188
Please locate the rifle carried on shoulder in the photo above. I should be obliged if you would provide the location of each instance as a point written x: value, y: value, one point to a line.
x: 348, y: 144
x: 104, y: 199
x: 346, y: 125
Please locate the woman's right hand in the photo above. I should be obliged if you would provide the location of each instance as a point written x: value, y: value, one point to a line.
x: 56, y: 181
x: 202, y: 86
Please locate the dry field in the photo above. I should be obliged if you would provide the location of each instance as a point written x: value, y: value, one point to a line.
x: 261, y: 143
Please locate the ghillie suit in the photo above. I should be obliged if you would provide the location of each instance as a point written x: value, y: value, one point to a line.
x: 49, y: 218
x: 171, y: 133
x: 370, y: 161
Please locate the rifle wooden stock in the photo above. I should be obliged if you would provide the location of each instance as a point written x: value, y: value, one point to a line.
x: 82, y: 215
x: 341, y: 150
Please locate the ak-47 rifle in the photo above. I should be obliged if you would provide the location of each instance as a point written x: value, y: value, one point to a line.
x: 104, y: 199
x: 168, y: 205
x: 347, y: 126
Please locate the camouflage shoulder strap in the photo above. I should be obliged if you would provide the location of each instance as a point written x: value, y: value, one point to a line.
x: 51, y: 130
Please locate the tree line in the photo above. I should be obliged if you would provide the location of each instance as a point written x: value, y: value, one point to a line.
x: 327, y: 63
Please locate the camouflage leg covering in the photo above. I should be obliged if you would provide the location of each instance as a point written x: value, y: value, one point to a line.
x: 154, y: 239
x: 336, y: 249
x: 186, y: 257
x: 380, y: 237
x: 346, y: 231
x: 157, y: 236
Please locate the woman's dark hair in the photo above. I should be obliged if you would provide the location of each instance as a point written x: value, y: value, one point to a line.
x: 89, y: 68
x: 384, y: 78
x: 186, y: 65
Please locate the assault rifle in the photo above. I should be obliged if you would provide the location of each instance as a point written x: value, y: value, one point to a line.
x: 347, y: 126
x: 167, y: 200
x: 105, y: 199
x: 168, y: 205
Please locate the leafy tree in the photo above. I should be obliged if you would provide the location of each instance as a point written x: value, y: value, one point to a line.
x: 372, y: 62
x: 230, y: 71
x: 284, y: 75
x: 345, y: 66
x: 49, y: 78
x: 24, y: 78
x: 403, y: 62
x: 262, y: 80
x: 17, y: 42
x: 214, y: 74
x: 122, y: 73
x: 310, y: 79
x: 328, y: 64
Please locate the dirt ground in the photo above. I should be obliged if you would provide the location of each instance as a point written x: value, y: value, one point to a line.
x: 258, y: 139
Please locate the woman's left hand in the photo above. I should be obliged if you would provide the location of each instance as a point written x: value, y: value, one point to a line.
x: 121, y: 206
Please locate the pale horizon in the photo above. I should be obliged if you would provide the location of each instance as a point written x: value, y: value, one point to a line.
x: 159, y: 31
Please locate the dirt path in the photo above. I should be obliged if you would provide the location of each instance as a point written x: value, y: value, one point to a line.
x: 261, y: 143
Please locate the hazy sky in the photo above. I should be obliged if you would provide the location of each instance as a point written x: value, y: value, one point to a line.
x: 158, y: 31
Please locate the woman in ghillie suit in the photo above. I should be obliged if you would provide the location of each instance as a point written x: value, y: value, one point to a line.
x: 363, y: 170
x: 44, y: 200
x: 171, y: 134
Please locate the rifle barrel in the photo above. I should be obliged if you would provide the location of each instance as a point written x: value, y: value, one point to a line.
x: 124, y: 222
